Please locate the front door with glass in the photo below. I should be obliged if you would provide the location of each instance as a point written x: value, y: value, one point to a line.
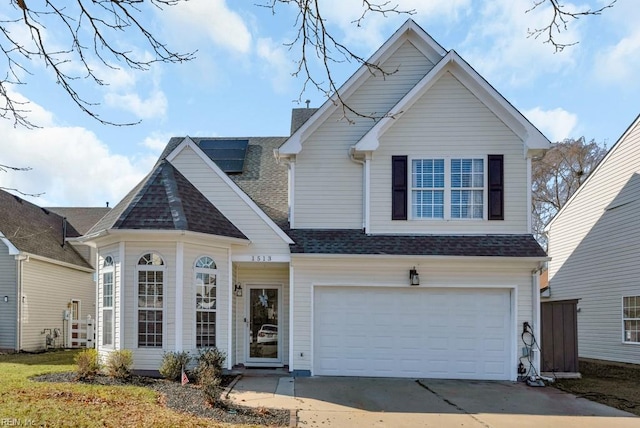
x: 263, y: 323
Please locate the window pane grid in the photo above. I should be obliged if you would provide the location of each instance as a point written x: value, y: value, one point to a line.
x: 107, y: 289
x: 631, y: 318
x: 205, y: 284
x: 107, y: 327
x: 467, y: 188
x: 427, y: 197
x: 150, y: 301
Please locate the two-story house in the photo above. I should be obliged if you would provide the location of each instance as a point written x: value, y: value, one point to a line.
x: 391, y: 247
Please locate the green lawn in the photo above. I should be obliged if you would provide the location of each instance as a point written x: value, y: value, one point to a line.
x: 27, y: 403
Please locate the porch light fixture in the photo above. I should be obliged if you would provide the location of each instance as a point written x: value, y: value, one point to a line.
x: 238, y: 290
x: 6, y: 299
x: 414, y: 277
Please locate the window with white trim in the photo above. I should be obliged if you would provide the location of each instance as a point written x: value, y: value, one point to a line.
x: 631, y: 319
x: 150, y: 270
x: 205, y: 283
x: 107, y: 301
x: 448, y: 189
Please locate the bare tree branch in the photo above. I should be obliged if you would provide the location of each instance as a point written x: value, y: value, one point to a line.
x: 92, y: 28
x: 557, y: 176
x: 7, y: 168
x: 560, y: 19
x: 316, y: 42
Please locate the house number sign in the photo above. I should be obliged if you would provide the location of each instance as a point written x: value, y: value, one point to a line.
x: 260, y: 258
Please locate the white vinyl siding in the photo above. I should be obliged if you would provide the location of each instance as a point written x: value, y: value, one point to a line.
x: 328, y: 186
x: 595, y: 248
x: 8, y: 281
x: 381, y: 272
x: 448, y: 121
x: 47, y: 290
x: 263, y: 238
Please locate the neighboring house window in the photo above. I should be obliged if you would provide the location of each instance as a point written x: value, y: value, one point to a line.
x: 454, y: 193
x: 205, y: 282
x: 150, y: 300
x: 107, y: 301
x: 631, y: 318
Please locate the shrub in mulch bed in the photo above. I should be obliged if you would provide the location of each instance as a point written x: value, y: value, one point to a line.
x: 188, y: 399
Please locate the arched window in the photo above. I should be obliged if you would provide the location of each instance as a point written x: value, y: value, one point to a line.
x: 205, y: 283
x: 150, y: 272
x: 107, y: 301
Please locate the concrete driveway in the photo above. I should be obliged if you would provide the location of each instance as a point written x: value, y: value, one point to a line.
x: 376, y: 402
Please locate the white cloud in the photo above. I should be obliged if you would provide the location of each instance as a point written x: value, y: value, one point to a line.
x: 212, y: 19
x: 70, y: 164
x: 499, y: 47
x: 620, y: 63
x: 156, y: 142
x: 556, y: 124
x: 278, y: 66
x: 154, y: 106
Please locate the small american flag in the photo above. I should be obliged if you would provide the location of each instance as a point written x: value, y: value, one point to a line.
x: 185, y: 379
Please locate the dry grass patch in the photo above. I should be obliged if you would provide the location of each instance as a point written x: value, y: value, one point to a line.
x: 615, y: 385
x: 75, y: 404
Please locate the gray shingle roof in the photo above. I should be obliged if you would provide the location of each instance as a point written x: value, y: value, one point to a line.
x: 299, y: 116
x: 263, y: 179
x: 166, y: 200
x: 37, y: 230
x: 354, y: 241
x: 82, y: 218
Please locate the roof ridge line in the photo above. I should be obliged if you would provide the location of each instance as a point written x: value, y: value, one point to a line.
x: 170, y: 184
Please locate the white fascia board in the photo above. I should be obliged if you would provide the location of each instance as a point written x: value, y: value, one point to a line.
x: 594, y: 173
x: 13, y: 251
x: 58, y: 262
x: 132, y: 235
x: 408, y: 31
x: 532, y: 138
x: 371, y: 140
x: 188, y: 142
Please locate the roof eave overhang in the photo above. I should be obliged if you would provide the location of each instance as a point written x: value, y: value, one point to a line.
x: 408, y: 31
x: 429, y: 257
x: 13, y: 250
x: 534, y: 141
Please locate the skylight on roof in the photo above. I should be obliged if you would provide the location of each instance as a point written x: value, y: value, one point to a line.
x: 229, y: 155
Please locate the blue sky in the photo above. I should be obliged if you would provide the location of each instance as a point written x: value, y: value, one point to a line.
x: 240, y: 84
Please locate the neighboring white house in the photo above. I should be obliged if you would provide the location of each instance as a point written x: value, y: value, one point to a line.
x: 594, y: 242
x: 47, y: 288
x: 395, y: 247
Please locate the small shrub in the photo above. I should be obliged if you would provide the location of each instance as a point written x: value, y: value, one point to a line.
x: 172, y: 364
x: 119, y: 364
x: 210, y: 362
x: 88, y: 363
x: 208, y: 373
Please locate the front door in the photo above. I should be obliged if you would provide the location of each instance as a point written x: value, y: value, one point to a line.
x: 263, y: 323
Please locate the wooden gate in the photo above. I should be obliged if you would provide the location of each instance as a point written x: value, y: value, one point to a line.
x: 559, y: 336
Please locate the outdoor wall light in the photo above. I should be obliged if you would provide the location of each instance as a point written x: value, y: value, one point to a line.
x: 414, y: 277
x: 238, y: 290
x: 6, y: 299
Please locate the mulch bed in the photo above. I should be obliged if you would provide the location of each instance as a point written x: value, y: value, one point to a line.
x: 188, y: 399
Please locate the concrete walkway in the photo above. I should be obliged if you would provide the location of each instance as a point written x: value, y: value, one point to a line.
x: 376, y: 402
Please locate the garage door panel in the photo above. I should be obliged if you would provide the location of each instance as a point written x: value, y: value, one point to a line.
x: 445, y: 333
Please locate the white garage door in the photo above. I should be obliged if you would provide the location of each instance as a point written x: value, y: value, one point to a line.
x: 412, y: 332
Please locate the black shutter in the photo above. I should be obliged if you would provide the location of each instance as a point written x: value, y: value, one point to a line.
x: 496, y: 187
x: 399, y: 187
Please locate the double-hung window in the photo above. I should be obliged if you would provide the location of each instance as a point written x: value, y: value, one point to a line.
x: 451, y: 188
x: 150, y: 271
x: 205, y: 282
x: 107, y: 301
x: 427, y: 185
x: 631, y: 319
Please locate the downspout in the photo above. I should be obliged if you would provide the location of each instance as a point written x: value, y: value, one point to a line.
x: 20, y: 259
x: 365, y: 193
x: 535, y: 285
